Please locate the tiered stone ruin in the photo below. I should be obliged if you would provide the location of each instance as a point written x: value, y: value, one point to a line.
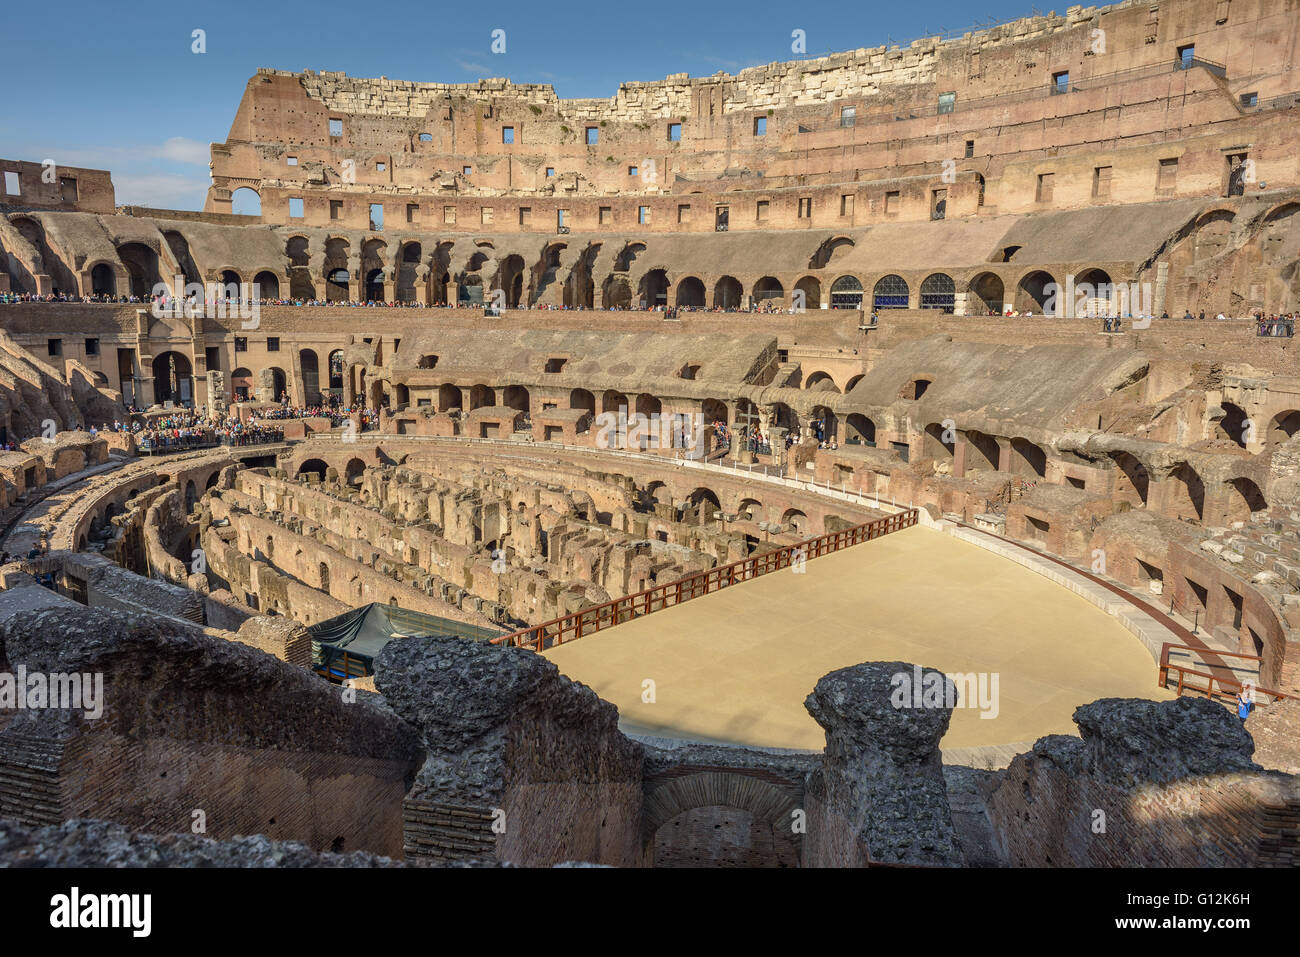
x: 900, y: 265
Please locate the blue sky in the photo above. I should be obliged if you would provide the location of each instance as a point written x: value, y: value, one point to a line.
x: 119, y: 88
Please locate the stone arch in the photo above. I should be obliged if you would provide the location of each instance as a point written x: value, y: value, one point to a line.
x: 172, y: 380
x: 846, y: 293
x: 1028, y: 458
x: 986, y: 292
x: 241, y: 384
x: 938, y: 291
x: 799, y: 519
x: 727, y: 293
x: 481, y: 396
x: 449, y: 397
x: 1281, y: 211
x: 820, y: 382
x: 1211, y: 233
x: 981, y: 451
x: 582, y: 399
x: 827, y: 250
x: 1234, y: 425
x: 517, y: 398
x: 408, y: 271
x: 297, y: 249
x: 375, y: 285
x: 613, y: 400
x: 1186, y: 499
x: 811, y: 289
x: 1034, y: 291
x: 783, y: 416
x: 627, y: 255
x: 859, y: 430
x: 266, y: 285
x: 937, y: 443
x: 652, y: 291
x: 141, y: 264
x: 353, y: 472
x: 701, y: 495
x: 274, y: 381
x: 310, y: 365
x: 1132, y: 481
x: 510, y: 279
x: 246, y: 201
x: 647, y: 404
x: 336, y: 372
x: 890, y: 292
x: 690, y: 293
x: 617, y: 293
x: 103, y: 281
x: 766, y: 803
x: 1244, y: 500
x: 1283, y: 426
x: 768, y: 288
x: 1094, y: 294
x: 337, y: 285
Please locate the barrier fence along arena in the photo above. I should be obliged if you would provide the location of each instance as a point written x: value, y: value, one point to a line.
x: 576, y: 624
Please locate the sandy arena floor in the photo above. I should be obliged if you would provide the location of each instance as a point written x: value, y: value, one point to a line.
x: 736, y: 666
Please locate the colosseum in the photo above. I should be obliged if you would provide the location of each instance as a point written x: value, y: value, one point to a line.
x: 917, y: 425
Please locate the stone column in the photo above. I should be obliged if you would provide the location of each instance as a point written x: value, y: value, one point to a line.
x: 880, y: 793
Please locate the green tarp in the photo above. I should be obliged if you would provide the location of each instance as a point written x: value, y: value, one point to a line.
x: 364, y: 631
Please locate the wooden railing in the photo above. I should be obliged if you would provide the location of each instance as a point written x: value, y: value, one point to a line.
x: 576, y: 624
x: 1227, y: 686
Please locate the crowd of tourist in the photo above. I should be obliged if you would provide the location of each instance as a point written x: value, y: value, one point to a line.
x: 1283, y: 326
x: 336, y: 414
x: 180, y: 431
x: 9, y: 298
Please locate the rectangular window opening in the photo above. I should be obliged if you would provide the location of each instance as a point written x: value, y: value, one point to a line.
x: 1101, y: 182
x: 1046, y: 184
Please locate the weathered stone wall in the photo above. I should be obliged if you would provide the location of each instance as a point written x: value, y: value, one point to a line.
x: 1151, y: 784
x: 523, y: 765
x: 193, y: 723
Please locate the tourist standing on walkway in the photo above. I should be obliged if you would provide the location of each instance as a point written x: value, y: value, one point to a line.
x: 1245, y: 701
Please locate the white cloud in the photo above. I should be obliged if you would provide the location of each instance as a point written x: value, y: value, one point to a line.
x: 160, y: 190
x: 182, y: 150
